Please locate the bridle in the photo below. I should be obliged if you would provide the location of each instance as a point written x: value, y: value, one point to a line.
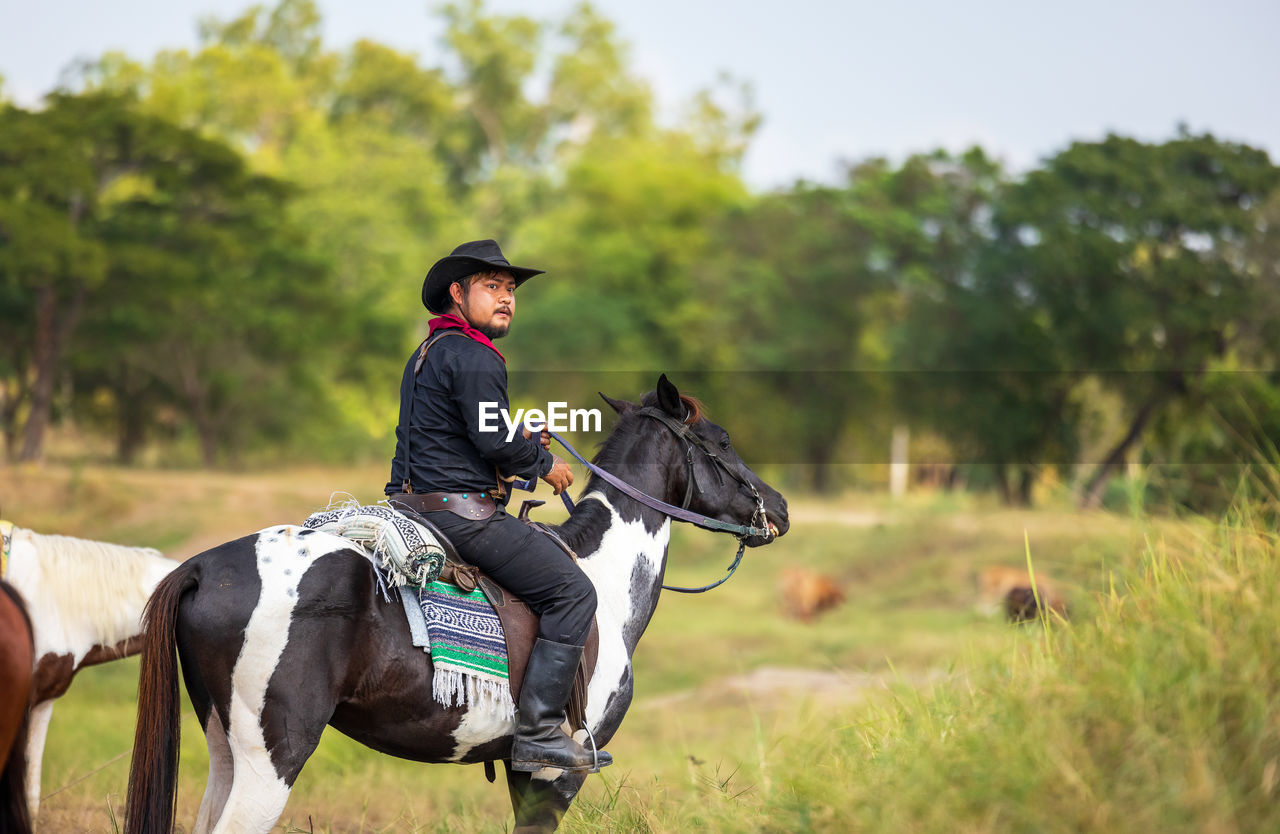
x: 682, y: 513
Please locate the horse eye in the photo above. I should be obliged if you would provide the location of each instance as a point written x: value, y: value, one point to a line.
x: 724, y: 443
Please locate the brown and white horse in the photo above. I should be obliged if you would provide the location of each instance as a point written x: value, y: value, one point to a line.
x: 85, y: 599
x: 16, y: 652
x: 283, y: 633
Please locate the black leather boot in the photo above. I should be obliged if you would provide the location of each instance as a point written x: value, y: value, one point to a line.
x: 540, y: 741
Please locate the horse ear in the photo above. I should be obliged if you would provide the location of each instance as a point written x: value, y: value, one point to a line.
x: 669, y: 398
x: 620, y: 406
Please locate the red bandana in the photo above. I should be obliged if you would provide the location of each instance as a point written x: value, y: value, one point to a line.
x: 446, y: 321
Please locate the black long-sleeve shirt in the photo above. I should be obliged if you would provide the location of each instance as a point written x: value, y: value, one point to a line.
x: 440, y: 423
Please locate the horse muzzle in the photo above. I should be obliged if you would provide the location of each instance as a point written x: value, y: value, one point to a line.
x: 776, y: 531
x: 779, y: 523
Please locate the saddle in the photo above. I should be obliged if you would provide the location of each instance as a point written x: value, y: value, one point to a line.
x: 519, y: 623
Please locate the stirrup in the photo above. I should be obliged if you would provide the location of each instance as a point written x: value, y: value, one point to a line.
x: 534, y: 765
x: 595, y: 751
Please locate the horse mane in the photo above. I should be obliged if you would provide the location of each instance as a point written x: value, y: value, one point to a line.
x: 103, y: 585
x: 695, y: 408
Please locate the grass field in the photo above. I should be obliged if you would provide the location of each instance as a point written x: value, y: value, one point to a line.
x: 903, y: 710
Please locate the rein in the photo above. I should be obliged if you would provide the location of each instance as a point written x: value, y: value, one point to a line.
x: 683, y: 513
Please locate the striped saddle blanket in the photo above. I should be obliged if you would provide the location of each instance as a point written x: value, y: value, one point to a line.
x: 460, y: 630
x: 468, y: 649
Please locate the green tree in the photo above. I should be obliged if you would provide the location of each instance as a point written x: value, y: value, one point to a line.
x: 1129, y: 254
x: 209, y: 306
x: 593, y: 90
x: 1225, y: 436
x: 359, y: 135
x: 393, y: 160
x: 496, y: 55
x: 627, y: 232
x: 817, y: 282
x: 980, y: 367
x: 58, y: 170
x: 156, y: 266
x: 796, y: 296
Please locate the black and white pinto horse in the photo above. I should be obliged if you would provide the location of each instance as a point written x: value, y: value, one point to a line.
x: 85, y: 599
x: 284, y: 632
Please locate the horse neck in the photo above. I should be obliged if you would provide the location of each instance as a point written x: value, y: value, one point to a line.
x: 622, y: 544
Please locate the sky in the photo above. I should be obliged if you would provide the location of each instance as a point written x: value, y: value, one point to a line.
x: 835, y: 81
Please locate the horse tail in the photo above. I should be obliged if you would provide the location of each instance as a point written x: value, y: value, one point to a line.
x: 15, y: 816
x: 153, y: 775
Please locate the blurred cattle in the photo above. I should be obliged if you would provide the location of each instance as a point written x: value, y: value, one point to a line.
x: 1010, y: 590
x: 805, y: 594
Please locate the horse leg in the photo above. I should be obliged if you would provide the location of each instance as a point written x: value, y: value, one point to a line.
x: 220, y: 769
x: 539, y: 804
x: 254, y: 803
x: 38, y: 727
x: 269, y: 741
x: 256, y: 795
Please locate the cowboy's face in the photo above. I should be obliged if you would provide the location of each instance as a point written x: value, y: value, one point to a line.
x: 488, y: 303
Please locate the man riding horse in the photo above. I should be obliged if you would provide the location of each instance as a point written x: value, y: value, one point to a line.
x: 447, y: 466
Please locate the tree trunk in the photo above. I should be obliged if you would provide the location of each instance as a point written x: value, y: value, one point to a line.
x: 821, y: 474
x: 1002, y: 484
x: 1015, y: 482
x: 133, y: 407
x: 1026, y: 480
x: 196, y: 395
x: 15, y: 395
x: 130, y: 436
x: 208, y: 443
x: 205, y: 429
x: 52, y: 334
x: 491, y: 127
x: 1097, y: 484
x: 818, y: 455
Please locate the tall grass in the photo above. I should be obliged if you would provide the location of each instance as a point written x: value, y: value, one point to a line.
x: 1158, y: 713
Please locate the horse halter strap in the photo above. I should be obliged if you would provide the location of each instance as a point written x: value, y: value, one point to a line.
x: 681, y: 430
x: 682, y: 513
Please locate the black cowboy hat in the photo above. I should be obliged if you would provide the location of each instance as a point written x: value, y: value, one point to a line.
x: 467, y: 259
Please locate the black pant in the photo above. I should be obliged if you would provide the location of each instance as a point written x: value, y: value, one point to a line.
x: 527, y: 563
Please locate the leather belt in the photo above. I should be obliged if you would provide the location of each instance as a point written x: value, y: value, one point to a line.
x: 475, y: 506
